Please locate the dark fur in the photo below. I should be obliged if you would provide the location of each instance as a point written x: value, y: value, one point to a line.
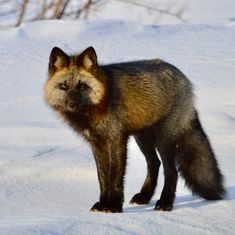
x: 153, y: 101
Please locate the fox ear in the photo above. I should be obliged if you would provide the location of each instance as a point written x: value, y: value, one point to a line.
x: 88, y: 58
x: 58, y: 59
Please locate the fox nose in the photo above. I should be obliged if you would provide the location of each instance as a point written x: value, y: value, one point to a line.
x: 71, y: 104
x: 72, y: 98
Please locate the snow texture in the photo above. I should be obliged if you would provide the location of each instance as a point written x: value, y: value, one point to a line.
x: 48, y: 176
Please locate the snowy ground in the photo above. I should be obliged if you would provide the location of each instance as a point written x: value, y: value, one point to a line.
x: 48, y: 177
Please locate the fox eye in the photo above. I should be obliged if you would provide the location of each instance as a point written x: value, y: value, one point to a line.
x: 63, y: 86
x: 82, y: 86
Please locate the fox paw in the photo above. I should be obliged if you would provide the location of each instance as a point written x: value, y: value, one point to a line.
x: 97, y: 207
x: 100, y: 207
x: 163, y: 206
x: 140, y: 199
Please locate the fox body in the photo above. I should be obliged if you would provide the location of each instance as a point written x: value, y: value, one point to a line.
x: 151, y: 100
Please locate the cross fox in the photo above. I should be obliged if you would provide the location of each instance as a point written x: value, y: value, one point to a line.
x: 149, y: 99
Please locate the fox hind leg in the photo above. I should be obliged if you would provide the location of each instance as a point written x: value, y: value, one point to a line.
x: 146, y: 144
x: 165, y: 203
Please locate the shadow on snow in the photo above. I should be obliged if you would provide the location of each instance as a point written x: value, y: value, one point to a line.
x: 185, y: 201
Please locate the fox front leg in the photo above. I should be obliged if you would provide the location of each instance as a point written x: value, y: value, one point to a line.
x: 111, y: 163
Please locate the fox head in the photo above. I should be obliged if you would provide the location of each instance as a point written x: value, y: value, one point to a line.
x: 74, y: 82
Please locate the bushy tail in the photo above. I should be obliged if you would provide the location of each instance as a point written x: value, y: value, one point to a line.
x: 197, y: 163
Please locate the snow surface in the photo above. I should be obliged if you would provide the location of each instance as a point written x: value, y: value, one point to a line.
x: 48, y: 176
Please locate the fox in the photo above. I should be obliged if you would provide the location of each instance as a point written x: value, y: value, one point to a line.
x: 151, y: 100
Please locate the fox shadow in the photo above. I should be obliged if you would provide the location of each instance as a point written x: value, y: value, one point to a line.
x: 185, y: 201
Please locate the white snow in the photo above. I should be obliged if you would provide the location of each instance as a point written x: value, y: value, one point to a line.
x: 48, y: 176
